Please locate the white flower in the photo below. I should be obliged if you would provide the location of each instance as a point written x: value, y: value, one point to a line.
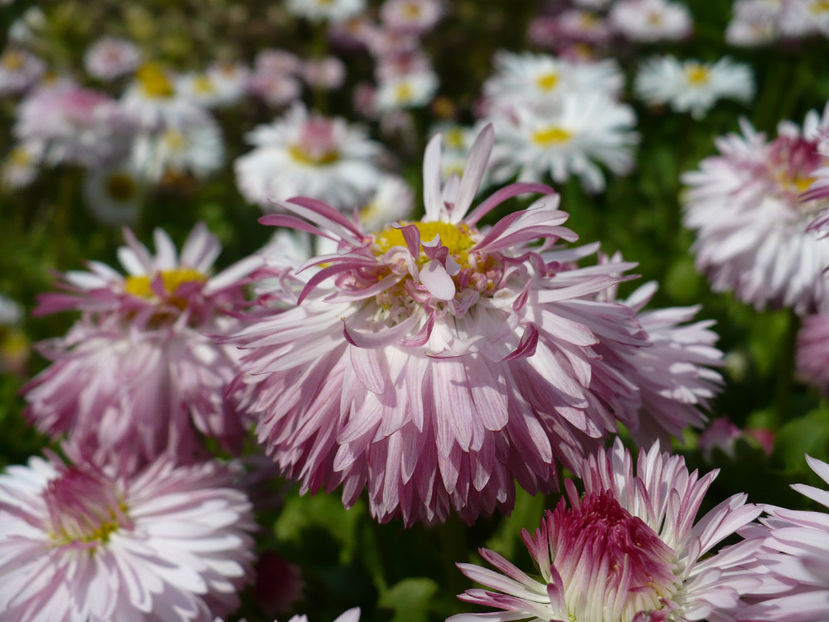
x: 195, y: 148
x: 693, y: 86
x: 406, y: 91
x: 391, y: 202
x: 534, y: 78
x: 651, y: 20
x: 307, y: 154
x: 113, y: 193
x: 21, y: 165
x: 564, y: 140
x: 153, y: 100
x: 18, y: 71
x: 331, y: 10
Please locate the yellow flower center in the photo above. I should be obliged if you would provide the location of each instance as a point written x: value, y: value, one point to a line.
x: 202, y: 85
x: 547, y: 81
x: 174, y: 140
x: 455, y: 138
x: 154, y: 81
x: 13, y: 61
x: 304, y: 157
x: 819, y: 7
x: 20, y: 156
x: 654, y: 18
x: 411, y: 10
x: 141, y: 285
x: 403, y: 92
x: 697, y: 74
x: 13, y: 343
x: 456, y: 238
x: 121, y: 186
x: 552, y: 135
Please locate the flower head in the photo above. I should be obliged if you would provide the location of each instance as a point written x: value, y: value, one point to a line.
x: 78, y: 543
x: 18, y: 70
x: 140, y: 374
x: 794, y: 554
x: 651, y: 20
x: 110, y: 57
x: 745, y: 205
x: 692, y: 86
x: 308, y: 154
x: 434, y: 362
x: 326, y: 10
x: 626, y: 550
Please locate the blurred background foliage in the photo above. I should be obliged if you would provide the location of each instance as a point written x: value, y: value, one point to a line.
x: 345, y: 558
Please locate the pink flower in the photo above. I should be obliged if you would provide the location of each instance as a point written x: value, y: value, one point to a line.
x: 813, y: 351
x: 140, y: 374
x: 746, y: 209
x: 325, y: 73
x: 417, y: 16
x: 79, y: 544
x: 626, y: 550
x: 111, y: 57
x: 795, y: 555
x: 18, y: 71
x: 435, y: 362
x: 75, y: 125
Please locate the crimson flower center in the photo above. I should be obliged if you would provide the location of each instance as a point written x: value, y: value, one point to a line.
x: 612, y: 564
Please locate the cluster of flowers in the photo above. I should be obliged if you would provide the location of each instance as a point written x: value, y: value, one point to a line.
x: 432, y: 364
x: 758, y: 22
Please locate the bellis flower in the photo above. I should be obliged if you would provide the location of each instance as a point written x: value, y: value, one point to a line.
x: 627, y: 550
x: 436, y: 362
x: 140, y: 374
x: 79, y: 544
x: 746, y: 207
x: 796, y: 556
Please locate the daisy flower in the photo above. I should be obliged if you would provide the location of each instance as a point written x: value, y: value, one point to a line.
x: 745, y: 207
x: 755, y: 22
x: 113, y: 193
x: 651, y: 20
x: 801, y: 18
x: 229, y: 80
x: 410, y: 90
x: 18, y: 71
x: 418, y: 16
x: 795, y: 555
x: 326, y: 10
x: 540, y: 78
x: 140, y: 374
x: 154, y: 101
x: 111, y: 57
x: 304, y: 153
x: 324, y: 73
x: 20, y: 167
x: 435, y: 363
x: 569, y: 139
x: 78, y: 543
x: 692, y: 86
x: 192, y: 147
x: 674, y: 373
x: 74, y: 124
x: 626, y: 550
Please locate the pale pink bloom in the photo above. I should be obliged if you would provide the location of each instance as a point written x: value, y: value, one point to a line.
x: 651, y: 20
x: 74, y: 124
x: 18, y: 71
x: 275, y: 89
x: 411, y: 90
x: 813, y: 351
x: 390, y: 66
x: 627, y: 550
x: 79, y: 544
x: 277, y: 61
x: 111, y: 57
x: 674, y: 375
x: 720, y: 434
x: 744, y: 204
x: 585, y: 26
x: 418, y: 16
x: 434, y: 363
x: 325, y: 10
x: 801, y: 18
x: 305, y: 153
x: 795, y: 555
x: 140, y: 374
x: 382, y: 42
x: 755, y: 22
x: 326, y: 73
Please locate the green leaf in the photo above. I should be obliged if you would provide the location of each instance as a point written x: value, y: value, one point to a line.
x: 410, y: 599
